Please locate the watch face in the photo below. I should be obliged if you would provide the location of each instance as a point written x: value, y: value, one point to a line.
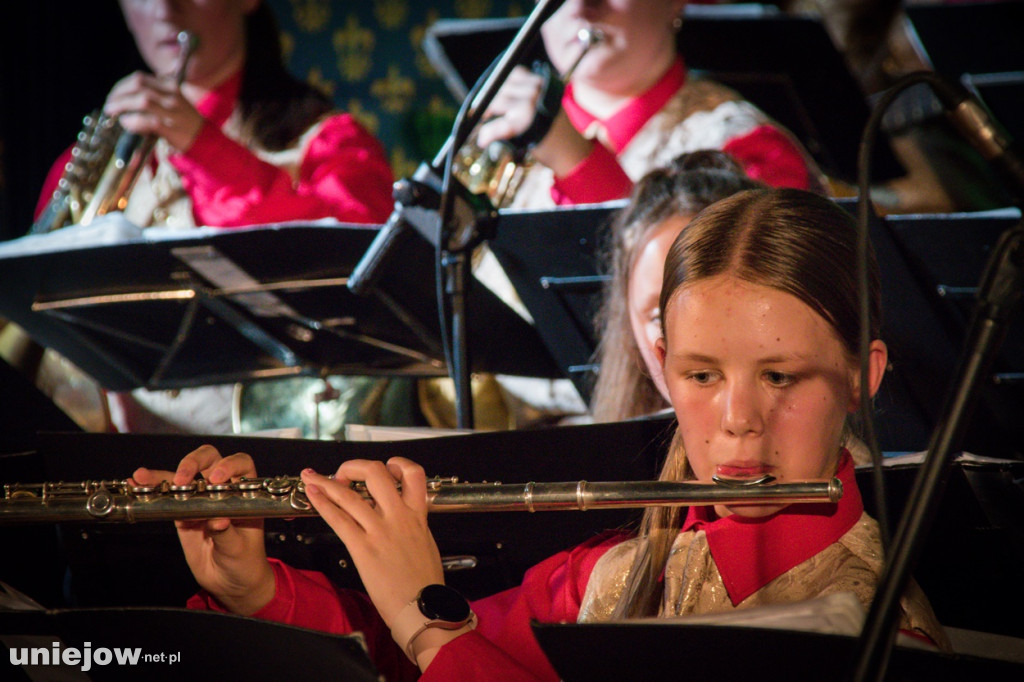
x: 440, y: 602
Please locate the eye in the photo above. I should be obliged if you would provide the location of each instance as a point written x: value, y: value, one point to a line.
x: 776, y: 378
x: 702, y: 377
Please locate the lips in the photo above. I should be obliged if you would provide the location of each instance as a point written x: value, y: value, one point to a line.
x: 170, y: 41
x: 169, y: 46
x: 743, y: 469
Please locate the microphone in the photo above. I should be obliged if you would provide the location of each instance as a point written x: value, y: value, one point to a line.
x: 984, y: 133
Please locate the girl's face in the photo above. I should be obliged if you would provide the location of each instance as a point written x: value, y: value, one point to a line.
x: 638, y: 37
x: 219, y: 26
x: 760, y: 383
x: 644, y: 290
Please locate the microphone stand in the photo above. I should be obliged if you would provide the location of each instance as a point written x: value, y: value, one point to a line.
x: 439, y: 207
x: 999, y: 292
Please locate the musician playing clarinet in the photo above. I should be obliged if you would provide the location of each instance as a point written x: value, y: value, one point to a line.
x: 759, y: 354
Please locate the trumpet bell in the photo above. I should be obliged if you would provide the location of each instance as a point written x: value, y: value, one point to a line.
x: 495, y: 171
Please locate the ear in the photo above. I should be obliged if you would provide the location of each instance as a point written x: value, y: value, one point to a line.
x: 878, y: 361
x: 660, y: 352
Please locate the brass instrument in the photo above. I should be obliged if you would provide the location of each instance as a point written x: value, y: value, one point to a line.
x: 285, y: 497
x: 497, y: 170
x: 93, y: 147
x: 105, y: 163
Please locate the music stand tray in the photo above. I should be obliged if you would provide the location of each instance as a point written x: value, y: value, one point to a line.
x: 644, y: 650
x: 166, y: 310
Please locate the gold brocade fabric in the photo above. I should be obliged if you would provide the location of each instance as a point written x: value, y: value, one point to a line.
x: 694, y: 586
x: 703, y: 114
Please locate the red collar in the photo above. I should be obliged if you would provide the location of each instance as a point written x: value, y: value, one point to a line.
x: 624, y: 123
x: 216, y: 106
x: 750, y: 553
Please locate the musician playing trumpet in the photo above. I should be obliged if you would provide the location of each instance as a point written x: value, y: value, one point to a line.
x: 759, y: 353
x: 242, y: 141
x: 629, y: 107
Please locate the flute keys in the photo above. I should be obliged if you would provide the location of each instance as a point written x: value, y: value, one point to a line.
x: 100, y: 503
x: 218, y: 491
x: 146, y: 492
x: 183, y: 492
x: 249, y: 488
x: 279, y: 485
x: 299, y: 501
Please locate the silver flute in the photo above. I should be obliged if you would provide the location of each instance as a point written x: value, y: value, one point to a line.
x: 120, y: 501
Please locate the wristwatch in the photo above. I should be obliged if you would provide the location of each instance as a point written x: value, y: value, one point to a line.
x: 436, y: 606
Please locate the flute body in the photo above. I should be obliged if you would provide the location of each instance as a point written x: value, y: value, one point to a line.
x: 120, y: 501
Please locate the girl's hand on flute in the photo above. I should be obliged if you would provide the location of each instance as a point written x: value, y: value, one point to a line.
x: 227, y: 557
x: 387, y: 537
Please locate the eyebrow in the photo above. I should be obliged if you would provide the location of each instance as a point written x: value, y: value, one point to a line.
x: 700, y: 357
x: 695, y: 357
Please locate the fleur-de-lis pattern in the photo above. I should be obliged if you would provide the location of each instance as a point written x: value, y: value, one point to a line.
x: 368, y: 57
x: 311, y: 15
x: 416, y: 35
x: 353, y: 47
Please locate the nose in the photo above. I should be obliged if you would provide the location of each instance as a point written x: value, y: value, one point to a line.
x: 741, y: 410
x: 163, y: 9
x: 580, y: 8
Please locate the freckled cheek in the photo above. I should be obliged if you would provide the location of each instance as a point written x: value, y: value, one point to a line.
x: 775, y: 409
x: 699, y: 426
x: 695, y: 407
x: 816, y: 411
x: 809, y: 408
x: 698, y: 442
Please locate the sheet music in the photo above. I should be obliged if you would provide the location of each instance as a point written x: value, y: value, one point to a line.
x: 114, y: 228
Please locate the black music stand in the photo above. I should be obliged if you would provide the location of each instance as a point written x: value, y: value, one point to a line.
x: 786, y: 65
x: 931, y: 266
x: 216, y: 306
x: 205, y: 645
x: 455, y: 48
x: 553, y: 260
x: 598, y: 651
